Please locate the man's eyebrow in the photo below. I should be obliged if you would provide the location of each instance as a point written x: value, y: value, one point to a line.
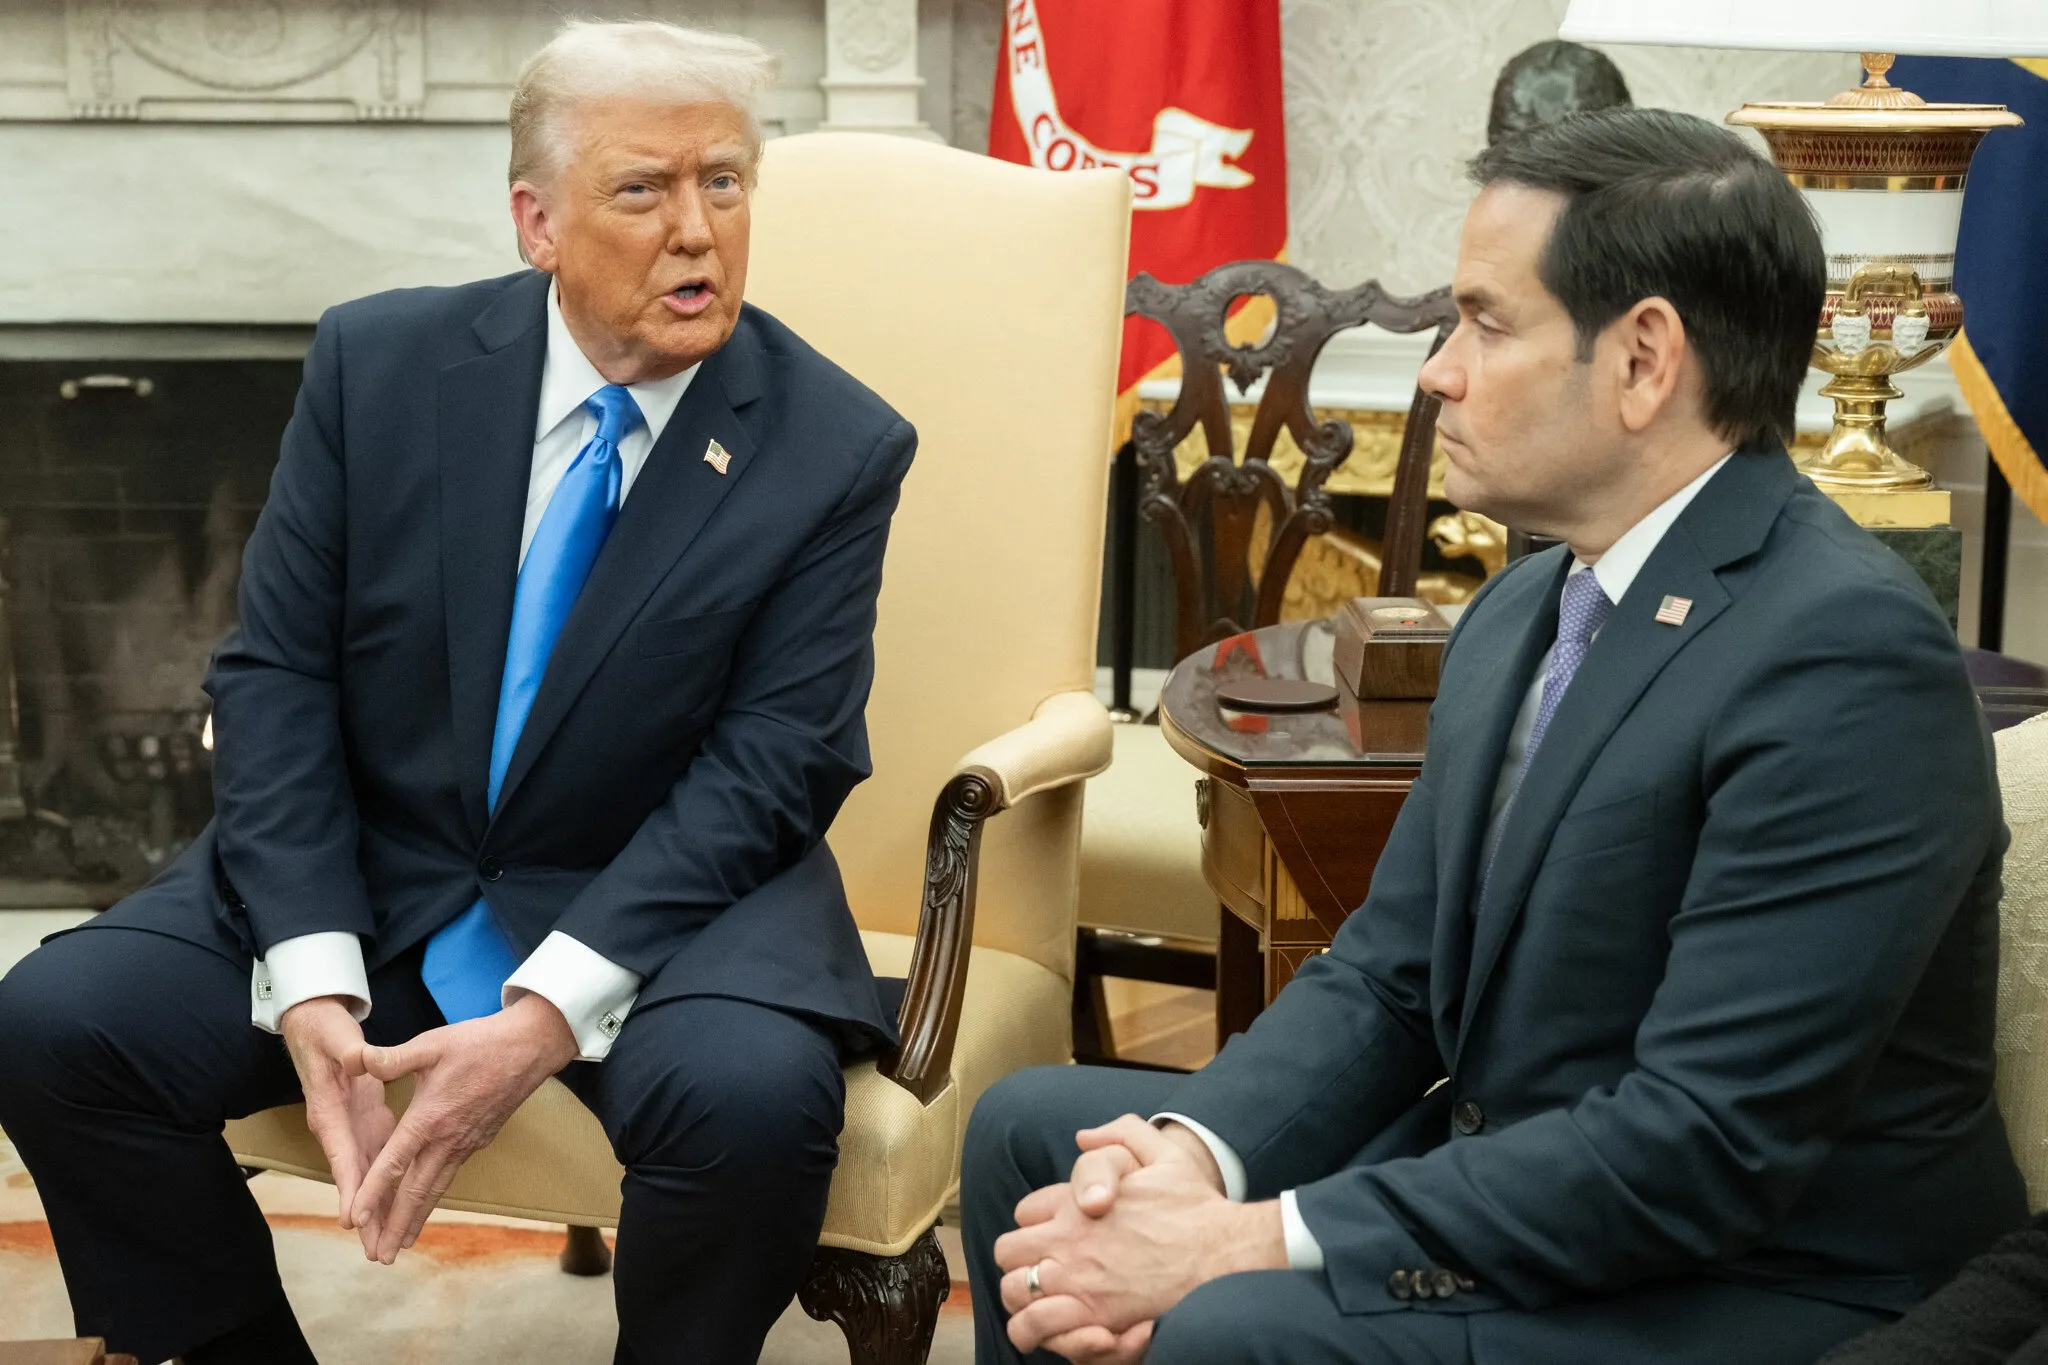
x: 732, y: 157
x: 641, y: 170
x: 1478, y: 299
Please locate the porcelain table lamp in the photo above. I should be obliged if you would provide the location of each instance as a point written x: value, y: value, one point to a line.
x: 1883, y: 170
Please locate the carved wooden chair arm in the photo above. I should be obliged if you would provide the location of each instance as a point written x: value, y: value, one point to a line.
x: 1066, y: 740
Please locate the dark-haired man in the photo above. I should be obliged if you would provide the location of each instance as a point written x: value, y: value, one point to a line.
x: 1665, y: 1033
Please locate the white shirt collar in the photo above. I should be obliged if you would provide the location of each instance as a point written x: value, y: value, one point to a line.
x: 1625, y: 558
x: 568, y: 379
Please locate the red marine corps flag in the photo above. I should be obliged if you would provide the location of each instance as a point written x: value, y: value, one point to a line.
x: 1184, y: 97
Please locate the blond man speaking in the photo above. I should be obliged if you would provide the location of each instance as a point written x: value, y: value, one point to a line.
x: 554, y: 644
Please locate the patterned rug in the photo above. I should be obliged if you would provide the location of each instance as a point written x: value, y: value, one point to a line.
x: 472, y: 1288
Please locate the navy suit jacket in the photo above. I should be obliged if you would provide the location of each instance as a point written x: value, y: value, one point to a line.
x: 1724, y: 1006
x: 700, y: 720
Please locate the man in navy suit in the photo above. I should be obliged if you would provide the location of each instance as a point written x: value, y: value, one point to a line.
x: 1665, y: 1032
x: 554, y: 646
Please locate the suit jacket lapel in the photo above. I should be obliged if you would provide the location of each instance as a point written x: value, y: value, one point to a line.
x: 485, y: 433
x: 1505, y: 663
x: 1727, y: 521
x: 675, y: 495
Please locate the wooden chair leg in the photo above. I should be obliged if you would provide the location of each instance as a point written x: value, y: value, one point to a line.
x: 1094, y: 1037
x: 888, y: 1306
x: 585, y: 1252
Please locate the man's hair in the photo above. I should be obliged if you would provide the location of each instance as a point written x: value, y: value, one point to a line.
x: 589, y: 61
x: 1661, y: 204
x: 1544, y: 83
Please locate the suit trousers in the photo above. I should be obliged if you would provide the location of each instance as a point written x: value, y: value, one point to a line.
x: 127, y: 1050
x: 1021, y: 1138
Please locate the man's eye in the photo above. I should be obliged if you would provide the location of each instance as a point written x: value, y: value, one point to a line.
x: 725, y: 182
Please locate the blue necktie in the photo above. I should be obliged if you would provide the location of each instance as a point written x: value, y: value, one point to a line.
x: 468, y: 959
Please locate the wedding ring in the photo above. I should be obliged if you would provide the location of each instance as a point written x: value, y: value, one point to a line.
x: 1031, y: 1284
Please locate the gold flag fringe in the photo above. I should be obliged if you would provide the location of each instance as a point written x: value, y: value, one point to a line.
x: 2015, y: 454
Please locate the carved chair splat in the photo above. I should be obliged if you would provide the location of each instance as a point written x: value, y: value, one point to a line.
x: 1224, y: 494
x: 1209, y: 521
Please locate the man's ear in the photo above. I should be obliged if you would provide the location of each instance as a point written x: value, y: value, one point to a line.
x: 1653, y: 359
x: 535, y: 225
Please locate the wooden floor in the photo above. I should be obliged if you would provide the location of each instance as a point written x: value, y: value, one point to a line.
x: 1165, y: 1025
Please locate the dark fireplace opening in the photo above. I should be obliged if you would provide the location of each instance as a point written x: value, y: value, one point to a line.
x: 127, y: 490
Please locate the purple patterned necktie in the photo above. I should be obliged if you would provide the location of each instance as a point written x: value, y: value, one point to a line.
x: 1582, y: 613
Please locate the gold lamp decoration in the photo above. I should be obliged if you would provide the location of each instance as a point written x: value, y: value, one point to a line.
x: 1883, y: 171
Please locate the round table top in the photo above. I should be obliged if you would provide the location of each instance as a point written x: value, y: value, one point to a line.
x: 1218, y: 739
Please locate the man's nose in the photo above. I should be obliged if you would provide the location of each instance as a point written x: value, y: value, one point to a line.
x: 1441, y: 374
x: 690, y: 232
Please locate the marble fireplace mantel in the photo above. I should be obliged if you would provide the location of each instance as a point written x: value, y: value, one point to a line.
x: 251, y: 162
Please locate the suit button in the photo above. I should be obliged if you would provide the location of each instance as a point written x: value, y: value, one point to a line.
x: 1398, y: 1285
x: 1443, y: 1283
x: 490, y: 869
x: 1468, y: 1118
x: 1419, y: 1279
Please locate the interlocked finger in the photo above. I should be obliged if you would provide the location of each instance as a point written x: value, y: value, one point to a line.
x: 1049, y: 1317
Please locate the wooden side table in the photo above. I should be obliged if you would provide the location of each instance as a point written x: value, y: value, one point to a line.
x: 1295, y: 809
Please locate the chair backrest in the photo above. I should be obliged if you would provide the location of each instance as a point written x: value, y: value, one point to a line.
x: 2023, y: 952
x: 1214, y: 592
x: 983, y: 300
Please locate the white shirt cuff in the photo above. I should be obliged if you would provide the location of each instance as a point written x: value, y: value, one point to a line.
x: 593, y: 993
x: 1227, y: 1160
x: 303, y: 968
x: 1304, y: 1252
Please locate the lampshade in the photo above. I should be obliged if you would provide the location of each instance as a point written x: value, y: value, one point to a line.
x: 1922, y: 28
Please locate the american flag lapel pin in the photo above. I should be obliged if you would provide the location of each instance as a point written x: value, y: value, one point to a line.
x: 717, y: 456
x: 1672, y: 611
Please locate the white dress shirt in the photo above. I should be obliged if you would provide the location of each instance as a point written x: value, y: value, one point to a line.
x: 593, y: 993
x: 1616, y: 570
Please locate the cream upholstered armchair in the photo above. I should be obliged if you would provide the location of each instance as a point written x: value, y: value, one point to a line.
x: 983, y: 300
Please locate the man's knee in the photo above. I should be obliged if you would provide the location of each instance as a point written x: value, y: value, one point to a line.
x: 1014, y: 1127
x: 48, y: 1031
x: 759, y: 1098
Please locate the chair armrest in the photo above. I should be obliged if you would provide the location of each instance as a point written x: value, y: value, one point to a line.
x: 1066, y: 740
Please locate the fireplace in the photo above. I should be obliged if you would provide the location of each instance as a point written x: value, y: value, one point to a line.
x: 127, y: 490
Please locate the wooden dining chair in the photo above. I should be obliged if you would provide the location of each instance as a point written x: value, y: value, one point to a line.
x: 1234, y: 529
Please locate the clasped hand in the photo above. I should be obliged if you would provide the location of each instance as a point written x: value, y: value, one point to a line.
x: 389, y: 1173
x: 1141, y: 1223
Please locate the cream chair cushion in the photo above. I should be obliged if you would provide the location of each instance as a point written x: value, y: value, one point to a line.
x: 1141, y: 845
x: 899, y: 1162
x: 2023, y: 953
